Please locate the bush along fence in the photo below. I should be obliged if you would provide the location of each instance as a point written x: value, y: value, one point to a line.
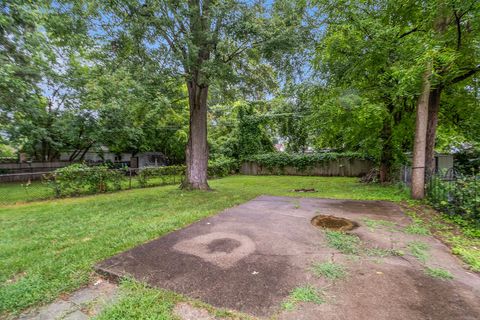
x: 316, y: 164
x: 455, y: 194
x: 80, y: 179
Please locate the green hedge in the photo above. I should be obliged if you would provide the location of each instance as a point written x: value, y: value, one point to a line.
x: 300, y: 161
x: 79, y: 179
x: 222, y: 167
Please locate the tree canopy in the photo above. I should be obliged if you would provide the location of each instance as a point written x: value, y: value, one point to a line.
x: 206, y: 79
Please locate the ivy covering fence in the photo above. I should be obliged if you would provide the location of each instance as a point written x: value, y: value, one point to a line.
x: 301, y: 161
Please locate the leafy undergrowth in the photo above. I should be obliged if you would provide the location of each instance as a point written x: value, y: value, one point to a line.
x: 48, y: 248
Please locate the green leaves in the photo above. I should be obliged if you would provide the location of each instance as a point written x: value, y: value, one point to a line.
x: 299, y: 161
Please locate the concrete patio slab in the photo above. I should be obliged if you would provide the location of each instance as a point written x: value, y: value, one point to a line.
x: 249, y: 258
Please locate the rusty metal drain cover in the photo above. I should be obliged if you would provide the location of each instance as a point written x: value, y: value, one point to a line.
x: 333, y: 223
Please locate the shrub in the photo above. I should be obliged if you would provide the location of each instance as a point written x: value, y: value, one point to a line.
x: 299, y: 161
x: 222, y: 167
x: 456, y: 197
x: 80, y: 178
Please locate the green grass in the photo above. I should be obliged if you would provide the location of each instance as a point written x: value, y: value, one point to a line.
x: 463, y: 236
x: 373, y: 224
x: 12, y: 193
x: 328, y: 187
x: 439, y: 273
x: 382, y: 252
x: 48, y: 248
x: 329, y: 270
x: 419, y: 250
x: 139, y: 302
x: 302, y: 294
x: 468, y: 251
x: 343, y: 242
x: 417, y: 227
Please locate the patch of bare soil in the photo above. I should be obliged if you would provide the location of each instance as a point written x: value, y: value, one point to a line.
x: 334, y: 223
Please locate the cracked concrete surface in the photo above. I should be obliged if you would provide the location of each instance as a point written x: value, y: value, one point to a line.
x: 192, y: 261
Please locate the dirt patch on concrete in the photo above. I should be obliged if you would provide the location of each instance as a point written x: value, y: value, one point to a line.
x: 333, y: 223
x: 250, y: 257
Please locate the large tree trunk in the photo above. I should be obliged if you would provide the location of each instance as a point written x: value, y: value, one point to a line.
x: 197, y: 147
x: 433, y: 109
x: 418, y: 165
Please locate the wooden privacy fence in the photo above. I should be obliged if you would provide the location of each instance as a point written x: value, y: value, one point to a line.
x: 343, y: 167
x: 28, y: 171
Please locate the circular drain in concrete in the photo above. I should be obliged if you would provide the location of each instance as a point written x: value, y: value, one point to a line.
x: 333, y: 223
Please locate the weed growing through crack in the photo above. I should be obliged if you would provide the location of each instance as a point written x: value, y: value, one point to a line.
x: 373, y: 224
x: 296, y: 204
x: 382, y: 253
x: 417, y: 227
x: 303, y: 294
x: 329, y: 270
x: 419, y: 250
x: 343, y: 242
x: 439, y: 273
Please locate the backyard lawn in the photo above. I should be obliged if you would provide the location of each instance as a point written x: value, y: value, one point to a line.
x: 49, y: 247
x: 17, y: 192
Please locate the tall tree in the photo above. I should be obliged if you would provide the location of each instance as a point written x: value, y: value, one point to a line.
x: 418, y: 163
x: 454, y: 31
x: 204, y: 40
x: 366, y: 51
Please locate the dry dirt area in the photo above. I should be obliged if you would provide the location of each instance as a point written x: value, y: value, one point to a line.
x: 266, y: 259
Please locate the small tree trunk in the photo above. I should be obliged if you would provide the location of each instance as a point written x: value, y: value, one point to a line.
x: 433, y: 110
x: 197, y: 147
x: 418, y: 165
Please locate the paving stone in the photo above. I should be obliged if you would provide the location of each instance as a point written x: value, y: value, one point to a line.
x: 186, y: 311
x: 82, y: 304
x: 55, y: 310
x: 84, y: 295
x: 76, y: 315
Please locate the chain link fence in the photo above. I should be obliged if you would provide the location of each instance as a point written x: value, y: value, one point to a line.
x: 80, y: 179
x: 48, y: 185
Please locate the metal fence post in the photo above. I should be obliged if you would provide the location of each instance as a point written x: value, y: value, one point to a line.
x: 129, y: 178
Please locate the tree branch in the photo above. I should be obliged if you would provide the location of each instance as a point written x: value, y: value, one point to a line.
x: 403, y: 35
x: 459, y: 28
x: 466, y: 75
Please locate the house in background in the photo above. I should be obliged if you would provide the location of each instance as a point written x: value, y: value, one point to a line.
x: 139, y: 160
x: 148, y: 159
